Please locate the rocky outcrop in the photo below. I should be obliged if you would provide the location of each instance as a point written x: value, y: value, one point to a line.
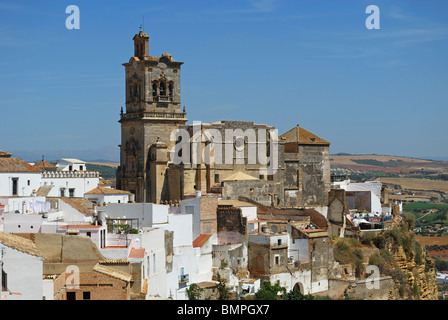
x: 420, y: 279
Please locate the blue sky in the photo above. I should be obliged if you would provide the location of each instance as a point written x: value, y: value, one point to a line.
x: 279, y: 62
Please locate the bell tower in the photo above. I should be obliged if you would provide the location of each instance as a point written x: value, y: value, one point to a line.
x: 153, y: 111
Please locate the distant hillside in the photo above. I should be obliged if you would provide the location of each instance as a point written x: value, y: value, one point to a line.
x: 387, y: 163
x: 108, y: 171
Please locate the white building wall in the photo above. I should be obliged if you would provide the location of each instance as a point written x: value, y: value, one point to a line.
x: 27, y: 182
x: 71, y: 215
x: 107, y: 198
x: 153, y: 268
x: 299, y: 250
x: 289, y: 280
x: 149, y: 214
x: 24, y: 273
x: 76, y: 165
x: 373, y: 186
x: 22, y: 223
x: 249, y: 212
x: 192, y: 206
x: 30, y: 204
x: 81, y: 182
x: 48, y: 289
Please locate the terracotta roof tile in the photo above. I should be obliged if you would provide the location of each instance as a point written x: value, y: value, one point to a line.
x: 19, y: 243
x: 137, y: 253
x: 16, y: 165
x: 124, y: 276
x: 302, y: 136
x: 42, y: 164
x: 43, y: 191
x: 200, y: 240
x: 81, y: 204
x: 104, y: 190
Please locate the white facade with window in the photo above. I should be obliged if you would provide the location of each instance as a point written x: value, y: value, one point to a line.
x: 71, y: 165
x: 21, y: 269
x: 69, y: 183
x: 21, y: 184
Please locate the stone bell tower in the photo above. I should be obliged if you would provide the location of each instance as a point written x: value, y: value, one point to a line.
x: 153, y: 111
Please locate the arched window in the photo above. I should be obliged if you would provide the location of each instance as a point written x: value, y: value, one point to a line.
x: 154, y: 89
x: 162, y: 89
x: 170, y: 89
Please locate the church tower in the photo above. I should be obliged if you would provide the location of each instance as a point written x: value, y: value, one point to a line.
x: 153, y: 111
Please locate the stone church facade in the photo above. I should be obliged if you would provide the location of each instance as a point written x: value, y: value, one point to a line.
x: 233, y: 158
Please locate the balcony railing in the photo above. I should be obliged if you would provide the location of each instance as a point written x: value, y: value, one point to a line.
x: 163, y: 98
x: 142, y: 114
x: 183, y: 280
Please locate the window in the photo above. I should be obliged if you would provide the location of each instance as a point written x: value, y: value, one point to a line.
x: 162, y: 89
x: 277, y: 259
x: 71, y: 192
x: 279, y: 242
x: 70, y: 168
x: 29, y: 182
x: 62, y: 192
x: 81, y: 168
x: 170, y: 89
x: 15, y: 186
x: 270, y: 177
x: 153, y: 263
x: 154, y: 89
x: 71, y: 295
x: 86, y: 295
x: 89, y: 234
x: 216, y: 178
x: 4, y: 280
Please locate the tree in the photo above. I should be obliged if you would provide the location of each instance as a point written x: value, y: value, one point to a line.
x: 441, y: 215
x: 194, y: 292
x: 268, y: 291
x: 222, y: 289
x: 295, y: 294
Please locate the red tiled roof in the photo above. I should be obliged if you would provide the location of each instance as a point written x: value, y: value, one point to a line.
x: 81, y: 204
x: 104, y: 190
x: 137, y: 253
x: 302, y: 136
x: 16, y: 165
x: 200, y: 240
x: 44, y: 164
x: 19, y: 243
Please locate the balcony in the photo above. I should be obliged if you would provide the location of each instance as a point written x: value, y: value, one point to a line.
x: 183, y: 280
x: 163, y: 98
x: 158, y: 115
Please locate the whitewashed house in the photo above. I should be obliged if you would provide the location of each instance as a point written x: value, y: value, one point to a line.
x: 72, y: 184
x: 21, y: 265
x: 188, y: 263
x: 362, y: 196
x: 105, y: 195
x: 71, y: 165
x: 153, y: 263
x: 17, y: 178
